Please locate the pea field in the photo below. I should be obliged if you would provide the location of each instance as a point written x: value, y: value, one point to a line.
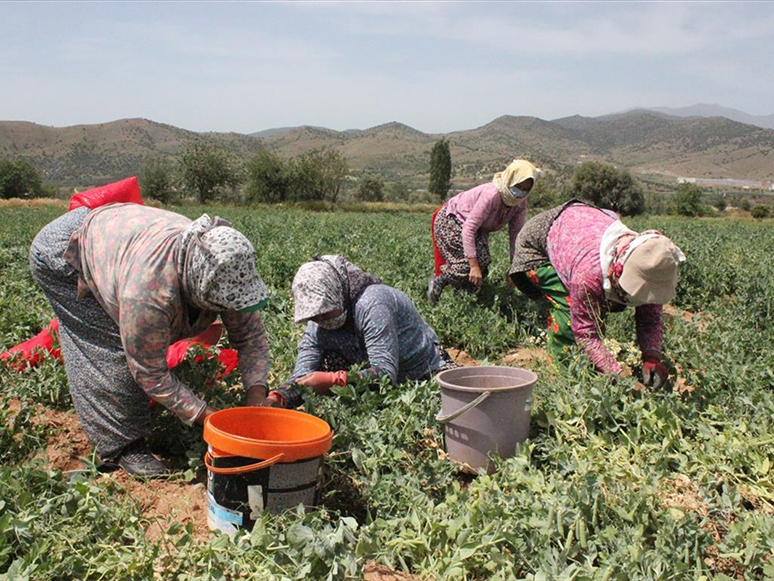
x: 616, y: 482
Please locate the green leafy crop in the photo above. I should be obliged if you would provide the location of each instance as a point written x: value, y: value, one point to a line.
x: 613, y: 483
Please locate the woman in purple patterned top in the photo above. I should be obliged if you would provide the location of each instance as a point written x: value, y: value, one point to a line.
x: 461, y: 227
x: 586, y: 262
x: 126, y: 281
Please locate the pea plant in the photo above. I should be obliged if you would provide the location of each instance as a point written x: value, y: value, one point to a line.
x: 615, y: 482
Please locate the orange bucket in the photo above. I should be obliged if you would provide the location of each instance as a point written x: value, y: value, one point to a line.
x: 260, y: 459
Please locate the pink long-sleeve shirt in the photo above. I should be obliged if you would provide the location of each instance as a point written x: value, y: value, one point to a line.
x: 482, y: 209
x: 573, y: 250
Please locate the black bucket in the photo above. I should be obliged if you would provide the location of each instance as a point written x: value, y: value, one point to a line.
x: 236, y: 500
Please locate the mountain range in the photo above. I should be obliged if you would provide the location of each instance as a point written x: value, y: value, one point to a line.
x: 707, y: 110
x: 653, y: 144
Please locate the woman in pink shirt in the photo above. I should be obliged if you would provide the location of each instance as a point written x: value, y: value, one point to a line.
x: 462, y: 225
x: 585, y: 263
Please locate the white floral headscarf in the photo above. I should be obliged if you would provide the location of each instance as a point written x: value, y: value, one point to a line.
x: 217, y: 267
x: 328, y: 283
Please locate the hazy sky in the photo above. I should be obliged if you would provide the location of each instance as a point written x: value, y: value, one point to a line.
x: 436, y: 66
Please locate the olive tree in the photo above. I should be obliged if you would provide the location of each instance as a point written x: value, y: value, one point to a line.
x: 318, y: 175
x: 156, y: 178
x: 687, y: 201
x: 371, y: 189
x: 19, y: 179
x: 205, y: 169
x: 269, y: 178
x: 606, y: 186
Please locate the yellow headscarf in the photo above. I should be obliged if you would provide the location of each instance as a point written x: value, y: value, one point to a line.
x: 518, y: 171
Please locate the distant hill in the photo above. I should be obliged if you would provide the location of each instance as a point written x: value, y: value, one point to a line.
x: 707, y: 110
x: 646, y: 142
x: 89, y: 154
x: 278, y: 131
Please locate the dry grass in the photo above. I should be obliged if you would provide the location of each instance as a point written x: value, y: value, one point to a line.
x: 34, y: 203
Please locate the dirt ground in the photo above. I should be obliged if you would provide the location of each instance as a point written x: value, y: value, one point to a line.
x: 529, y: 358
x: 162, y: 502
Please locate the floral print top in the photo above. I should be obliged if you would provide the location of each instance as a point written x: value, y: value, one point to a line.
x: 482, y: 209
x: 126, y: 257
x: 573, y: 250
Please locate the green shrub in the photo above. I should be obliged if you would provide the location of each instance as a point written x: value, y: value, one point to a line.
x: 687, y: 200
x: 608, y: 187
x: 19, y: 179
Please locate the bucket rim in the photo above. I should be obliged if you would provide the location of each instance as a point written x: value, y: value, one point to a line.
x: 488, y: 371
x: 216, y: 434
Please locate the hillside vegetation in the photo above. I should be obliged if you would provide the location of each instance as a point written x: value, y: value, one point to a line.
x: 643, y: 141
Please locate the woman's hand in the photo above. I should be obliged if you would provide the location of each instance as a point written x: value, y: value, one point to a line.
x: 256, y: 395
x: 475, y: 275
x: 322, y: 381
x: 208, y: 411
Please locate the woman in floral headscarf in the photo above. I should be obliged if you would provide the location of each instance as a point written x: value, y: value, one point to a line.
x: 352, y: 317
x: 585, y: 262
x: 462, y: 225
x: 126, y: 281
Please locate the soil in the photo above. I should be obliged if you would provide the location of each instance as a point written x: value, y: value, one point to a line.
x: 161, y: 502
x: 529, y: 358
x: 375, y: 572
x: 701, y: 320
x: 461, y: 357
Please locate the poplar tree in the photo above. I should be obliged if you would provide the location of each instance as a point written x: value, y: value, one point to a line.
x: 440, y: 169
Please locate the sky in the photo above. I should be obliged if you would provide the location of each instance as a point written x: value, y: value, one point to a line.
x: 435, y: 66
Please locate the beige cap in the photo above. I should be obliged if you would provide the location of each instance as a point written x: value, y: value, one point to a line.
x: 650, y: 272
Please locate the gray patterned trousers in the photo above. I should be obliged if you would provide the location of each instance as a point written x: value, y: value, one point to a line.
x: 112, y: 408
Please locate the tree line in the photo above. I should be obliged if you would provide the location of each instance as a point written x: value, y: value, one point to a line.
x: 206, y: 172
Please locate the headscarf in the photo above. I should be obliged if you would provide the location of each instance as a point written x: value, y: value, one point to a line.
x: 328, y: 283
x: 217, y: 268
x: 516, y: 172
x: 642, y: 271
x: 650, y: 270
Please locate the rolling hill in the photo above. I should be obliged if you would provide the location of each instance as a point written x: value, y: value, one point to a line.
x: 646, y: 142
x: 707, y: 110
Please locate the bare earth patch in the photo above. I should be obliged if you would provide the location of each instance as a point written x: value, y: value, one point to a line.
x: 527, y: 357
x: 701, y: 320
x: 375, y: 572
x: 461, y: 357
x: 165, y: 502
x: 683, y: 494
x: 162, y: 503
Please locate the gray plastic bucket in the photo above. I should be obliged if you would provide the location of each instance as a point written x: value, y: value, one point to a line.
x: 484, y: 410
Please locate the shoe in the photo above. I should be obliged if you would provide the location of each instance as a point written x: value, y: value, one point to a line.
x: 434, y: 289
x: 137, y: 461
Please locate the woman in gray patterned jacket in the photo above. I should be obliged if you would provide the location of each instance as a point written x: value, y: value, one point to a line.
x: 352, y: 317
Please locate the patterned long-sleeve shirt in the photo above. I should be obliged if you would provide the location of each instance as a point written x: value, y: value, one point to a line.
x: 390, y: 335
x: 573, y: 250
x: 126, y: 256
x: 482, y: 210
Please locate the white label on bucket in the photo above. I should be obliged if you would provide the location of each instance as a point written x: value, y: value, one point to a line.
x: 255, y: 500
x: 221, y: 518
x: 527, y: 405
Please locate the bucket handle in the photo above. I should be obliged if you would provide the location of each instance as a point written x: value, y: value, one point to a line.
x: 441, y: 419
x: 240, y: 469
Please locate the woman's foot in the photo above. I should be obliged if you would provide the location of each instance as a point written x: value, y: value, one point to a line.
x: 434, y: 289
x: 137, y: 461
